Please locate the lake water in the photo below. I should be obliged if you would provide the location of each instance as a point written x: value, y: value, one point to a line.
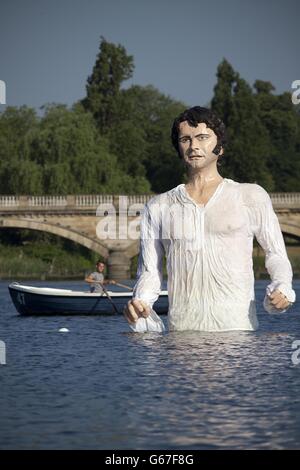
x: 101, y: 386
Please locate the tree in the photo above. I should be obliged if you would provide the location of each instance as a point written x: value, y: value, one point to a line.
x: 246, y: 155
x: 16, y: 126
x: 263, y: 131
x: 75, y: 158
x: 147, y: 115
x: 279, y: 116
x: 21, y: 177
x: 18, y: 174
x: 222, y: 101
x: 263, y: 87
x: 113, y: 66
x: 248, y: 139
x: 135, y: 121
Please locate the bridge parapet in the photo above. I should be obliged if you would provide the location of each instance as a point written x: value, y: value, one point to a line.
x: 285, y: 200
x: 9, y: 201
x: 92, y: 201
x: 55, y: 201
x: 69, y: 202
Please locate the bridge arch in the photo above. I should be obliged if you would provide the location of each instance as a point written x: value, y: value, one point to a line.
x: 57, y: 230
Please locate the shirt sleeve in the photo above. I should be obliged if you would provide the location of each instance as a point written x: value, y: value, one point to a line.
x: 149, y: 272
x: 97, y: 276
x: 266, y: 228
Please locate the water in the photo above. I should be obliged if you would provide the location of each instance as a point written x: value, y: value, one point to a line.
x: 100, y: 386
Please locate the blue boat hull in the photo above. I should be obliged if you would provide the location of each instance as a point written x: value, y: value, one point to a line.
x: 30, y: 303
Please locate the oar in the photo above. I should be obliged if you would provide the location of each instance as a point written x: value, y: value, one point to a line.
x: 122, y: 285
x: 116, y: 284
x: 109, y: 297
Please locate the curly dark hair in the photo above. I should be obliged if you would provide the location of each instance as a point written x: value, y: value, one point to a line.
x: 196, y: 115
x: 100, y: 262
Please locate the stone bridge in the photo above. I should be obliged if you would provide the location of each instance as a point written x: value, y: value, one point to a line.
x: 84, y: 219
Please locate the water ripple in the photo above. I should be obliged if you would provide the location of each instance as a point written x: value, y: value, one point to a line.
x: 101, y: 386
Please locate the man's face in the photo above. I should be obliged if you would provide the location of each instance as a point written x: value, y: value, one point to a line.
x: 196, y: 145
x: 100, y: 267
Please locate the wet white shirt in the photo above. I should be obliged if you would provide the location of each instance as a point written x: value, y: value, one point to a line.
x: 209, y: 256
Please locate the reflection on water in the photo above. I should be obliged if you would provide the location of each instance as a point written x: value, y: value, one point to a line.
x: 102, y: 386
x: 231, y: 390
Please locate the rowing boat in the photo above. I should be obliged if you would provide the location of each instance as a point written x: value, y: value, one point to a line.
x: 32, y: 300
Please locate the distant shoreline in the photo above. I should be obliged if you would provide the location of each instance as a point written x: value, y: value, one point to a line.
x: 260, y: 277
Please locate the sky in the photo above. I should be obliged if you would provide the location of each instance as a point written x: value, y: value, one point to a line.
x: 48, y: 47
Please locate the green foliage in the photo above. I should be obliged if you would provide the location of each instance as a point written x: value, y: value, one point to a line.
x: 135, y: 121
x: 18, y: 173
x: 222, y: 101
x: 61, y: 153
x: 279, y: 117
x: 21, y: 177
x: 117, y: 140
x: 248, y: 140
x: 16, y: 125
x: 112, y: 67
x: 148, y: 116
x: 32, y: 254
x: 263, y: 131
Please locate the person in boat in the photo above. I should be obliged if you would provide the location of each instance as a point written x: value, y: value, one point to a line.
x: 96, y: 278
x: 206, y: 229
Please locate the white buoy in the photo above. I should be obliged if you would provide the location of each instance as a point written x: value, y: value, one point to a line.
x: 63, y: 330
